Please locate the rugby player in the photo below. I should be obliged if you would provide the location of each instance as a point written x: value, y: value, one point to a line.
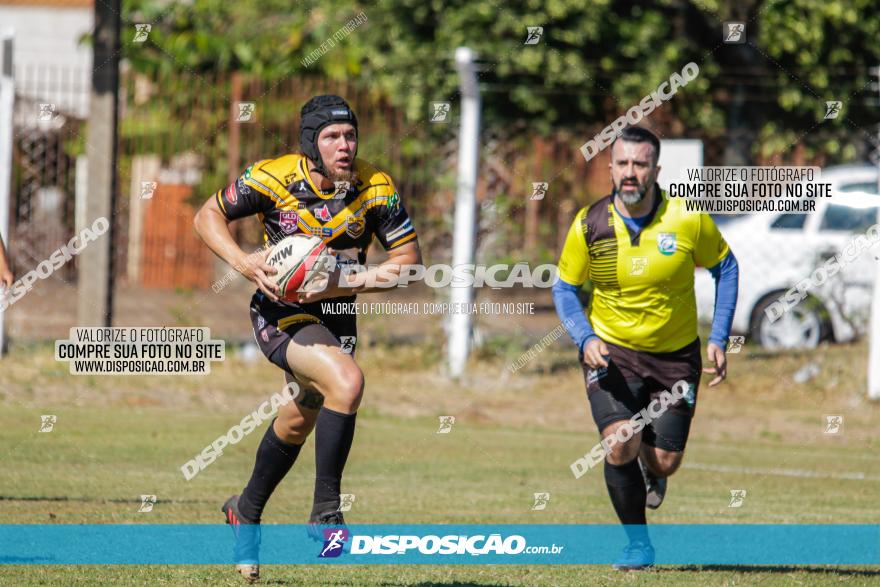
x: 639, y: 250
x: 328, y: 192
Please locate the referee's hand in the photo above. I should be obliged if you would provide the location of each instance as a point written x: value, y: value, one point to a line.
x: 595, y: 352
x: 719, y: 359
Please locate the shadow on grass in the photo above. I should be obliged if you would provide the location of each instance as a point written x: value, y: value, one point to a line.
x: 830, y: 570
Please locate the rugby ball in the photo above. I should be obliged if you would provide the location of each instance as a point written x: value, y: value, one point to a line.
x: 299, y: 259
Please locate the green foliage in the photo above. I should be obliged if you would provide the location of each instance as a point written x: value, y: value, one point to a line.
x: 594, y: 60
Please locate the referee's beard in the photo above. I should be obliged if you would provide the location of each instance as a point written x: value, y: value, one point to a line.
x: 632, y: 196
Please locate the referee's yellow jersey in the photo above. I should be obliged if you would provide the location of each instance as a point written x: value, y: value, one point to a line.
x: 643, y: 284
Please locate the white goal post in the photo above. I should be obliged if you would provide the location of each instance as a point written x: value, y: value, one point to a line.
x: 464, y: 236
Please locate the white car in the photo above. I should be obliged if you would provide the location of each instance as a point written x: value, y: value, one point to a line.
x: 776, y: 251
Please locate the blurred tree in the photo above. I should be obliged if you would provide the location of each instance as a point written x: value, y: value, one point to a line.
x: 594, y: 60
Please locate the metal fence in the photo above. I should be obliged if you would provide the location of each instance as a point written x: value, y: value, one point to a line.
x: 183, y: 133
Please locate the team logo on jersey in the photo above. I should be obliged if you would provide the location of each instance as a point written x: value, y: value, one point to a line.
x: 393, y: 201
x: 354, y: 226
x: 231, y: 194
x: 667, y: 243
x: 247, y: 172
x: 323, y: 214
x: 288, y: 221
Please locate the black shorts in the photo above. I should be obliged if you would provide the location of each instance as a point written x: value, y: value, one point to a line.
x: 275, y: 324
x: 633, y: 379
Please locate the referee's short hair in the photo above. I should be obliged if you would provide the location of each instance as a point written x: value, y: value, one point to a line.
x: 637, y: 134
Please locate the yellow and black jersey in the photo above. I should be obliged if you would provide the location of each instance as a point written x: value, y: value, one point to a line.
x: 281, y: 192
x: 643, y: 282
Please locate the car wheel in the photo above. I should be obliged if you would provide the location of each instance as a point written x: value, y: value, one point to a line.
x: 803, y: 326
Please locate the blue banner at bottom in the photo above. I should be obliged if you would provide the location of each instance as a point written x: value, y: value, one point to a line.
x: 529, y: 544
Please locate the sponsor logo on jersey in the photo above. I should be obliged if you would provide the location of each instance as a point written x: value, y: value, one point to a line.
x: 354, y: 226
x: 322, y: 231
x: 300, y: 205
x: 243, y: 187
x: 247, y: 172
x: 231, y: 194
x: 323, y: 214
x: 594, y: 375
x: 639, y: 265
x: 393, y: 201
x: 667, y: 243
x: 264, y: 334
x: 288, y: 220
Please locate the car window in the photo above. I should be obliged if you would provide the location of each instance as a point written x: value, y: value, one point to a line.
x: 849, y: 219
x: 869, y: 187
x: 790, y: 222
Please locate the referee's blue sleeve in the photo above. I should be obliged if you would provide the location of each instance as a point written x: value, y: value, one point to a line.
x: 726, y: 275
x: 571, y: 313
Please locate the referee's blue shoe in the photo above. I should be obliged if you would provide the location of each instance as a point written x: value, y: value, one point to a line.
x: 655, y: 487
x: 637, y: 556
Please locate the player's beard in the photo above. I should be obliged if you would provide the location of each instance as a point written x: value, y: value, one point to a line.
x: 349, y: 175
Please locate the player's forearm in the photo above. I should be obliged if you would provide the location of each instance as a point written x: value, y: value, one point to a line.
x: 385, y: 276
x: 213, y: 229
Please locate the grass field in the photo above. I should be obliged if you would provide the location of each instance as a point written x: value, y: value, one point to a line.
x: 515, y: 434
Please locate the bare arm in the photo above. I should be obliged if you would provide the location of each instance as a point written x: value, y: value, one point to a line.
x: 213, y: 228
x: 386, y: 272
x: 6, y: 276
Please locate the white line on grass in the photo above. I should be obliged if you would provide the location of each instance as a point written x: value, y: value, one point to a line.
x: 857, y: 476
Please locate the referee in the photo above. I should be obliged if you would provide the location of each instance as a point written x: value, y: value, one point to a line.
x: 639, y: 250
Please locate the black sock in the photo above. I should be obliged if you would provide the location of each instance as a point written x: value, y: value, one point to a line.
x: 274, y: 459
x: 626, y: 487
x: 334, y: 433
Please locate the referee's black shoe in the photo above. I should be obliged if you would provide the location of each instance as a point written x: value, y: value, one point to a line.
x: 324, y: 515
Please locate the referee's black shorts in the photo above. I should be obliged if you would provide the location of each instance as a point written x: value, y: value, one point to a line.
x: 275, y: 324
x: 635, y: 378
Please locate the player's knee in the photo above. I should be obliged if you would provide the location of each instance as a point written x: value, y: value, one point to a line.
x: 622, y: 454
x: 620, y: 447
x: 667, y: 463
x: 348, y: 385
